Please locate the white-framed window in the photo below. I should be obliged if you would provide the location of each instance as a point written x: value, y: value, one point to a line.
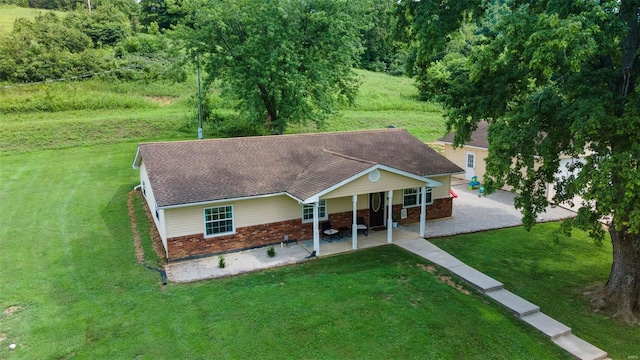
x: 307, y: 211
x: 144, y: 189
x: 412, y: 197
x: 157, y: 212
x: 218, y: 220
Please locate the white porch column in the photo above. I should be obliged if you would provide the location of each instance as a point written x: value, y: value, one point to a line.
x: 389, y: 217
x: 354, y: 225
x: 316, y: 229
x: 423, y: 211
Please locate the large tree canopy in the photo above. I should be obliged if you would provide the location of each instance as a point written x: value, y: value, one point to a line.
x: 285, y: 61
x: 554, y: 77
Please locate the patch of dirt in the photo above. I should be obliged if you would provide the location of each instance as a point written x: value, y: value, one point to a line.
x: 11, y: 310
x: 134, y: 228
x: 156, y: 240
x: 428, y: 268
x: 444, y: 279
x: 3, y: 337
x: 447, y: 280
x: 160, y: 100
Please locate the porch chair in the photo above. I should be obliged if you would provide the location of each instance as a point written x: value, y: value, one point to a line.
x: 329, y: 232
x: 361, y: 225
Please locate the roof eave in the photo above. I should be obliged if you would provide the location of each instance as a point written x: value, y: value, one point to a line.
x: 463, y: 145
x: 212, y: 202
x: 137, y: 160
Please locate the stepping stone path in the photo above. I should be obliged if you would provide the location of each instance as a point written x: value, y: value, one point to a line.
x: 530, y: 313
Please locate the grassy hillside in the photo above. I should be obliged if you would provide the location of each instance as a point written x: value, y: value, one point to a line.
x: 9, y: 14
x: 62, y: 115
x: 68, y: 114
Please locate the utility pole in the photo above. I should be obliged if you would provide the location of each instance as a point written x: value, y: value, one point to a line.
x: 200, y: 134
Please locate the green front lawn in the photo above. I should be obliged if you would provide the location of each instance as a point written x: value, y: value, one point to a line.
x: 554, y: 276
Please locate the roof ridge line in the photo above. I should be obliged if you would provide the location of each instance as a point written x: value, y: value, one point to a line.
x: 348, y: 157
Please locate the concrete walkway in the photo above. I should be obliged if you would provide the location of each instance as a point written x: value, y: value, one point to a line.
x: 530, y: 313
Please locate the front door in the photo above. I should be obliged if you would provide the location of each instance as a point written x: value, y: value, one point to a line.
x: 376, y: 209
x: 470, y: 169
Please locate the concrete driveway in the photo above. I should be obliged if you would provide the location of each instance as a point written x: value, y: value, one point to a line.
x: 473, y: 212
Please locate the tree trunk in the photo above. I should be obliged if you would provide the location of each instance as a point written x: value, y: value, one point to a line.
x: 622, y: 290
x: 273, y: 122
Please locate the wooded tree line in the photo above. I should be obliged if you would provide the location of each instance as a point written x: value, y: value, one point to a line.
x: 109, y: 22
x: 280, y: 61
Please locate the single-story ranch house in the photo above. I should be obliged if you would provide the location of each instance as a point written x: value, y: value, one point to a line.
x: 220, y: 195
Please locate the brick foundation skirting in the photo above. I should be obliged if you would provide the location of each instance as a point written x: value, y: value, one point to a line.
x: 182, y: 247
x: 440, y: 209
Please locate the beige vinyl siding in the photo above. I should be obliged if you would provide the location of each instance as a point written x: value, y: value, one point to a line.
x: 190, y: 220
x: 458, y: 156
x: 151, y: 202
x: 442, y: 191
x: 187, y: 220
x: 344, y: 204
x: 363, y: 185
x: 437, y: 192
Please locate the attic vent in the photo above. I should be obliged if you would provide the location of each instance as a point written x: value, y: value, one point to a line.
x: 374, y: 176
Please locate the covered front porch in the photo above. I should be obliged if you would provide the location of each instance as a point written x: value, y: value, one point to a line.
x: 376, y: 237
x: 367, y: 195
x: 377, y: 212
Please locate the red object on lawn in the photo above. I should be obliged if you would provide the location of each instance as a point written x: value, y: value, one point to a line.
x: 453, y: 193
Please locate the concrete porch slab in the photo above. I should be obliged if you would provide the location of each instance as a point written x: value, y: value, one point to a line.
x: 513, y: 302
x: 580, y: 348
x: 547, y: 325
x: 477, y: 279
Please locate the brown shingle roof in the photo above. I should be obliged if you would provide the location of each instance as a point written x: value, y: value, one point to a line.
x: 478, y: 138
x: 186, y: 172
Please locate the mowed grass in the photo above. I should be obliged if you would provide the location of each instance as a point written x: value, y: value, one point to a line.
x: 9, y: 14
x: 68, y: 267
x: 557, y: 276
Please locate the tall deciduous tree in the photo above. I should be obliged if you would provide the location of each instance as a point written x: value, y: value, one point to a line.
x: 286, y: 61
x: 164, y: 13
x: 552, y: 77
